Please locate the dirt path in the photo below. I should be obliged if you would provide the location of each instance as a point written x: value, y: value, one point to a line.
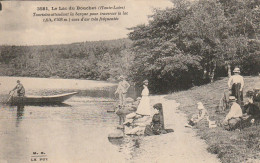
x: 181, y: 146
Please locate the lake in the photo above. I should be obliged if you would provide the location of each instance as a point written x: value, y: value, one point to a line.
x: 75, y: 131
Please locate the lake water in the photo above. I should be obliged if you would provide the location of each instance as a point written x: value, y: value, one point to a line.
x: 73, y: 132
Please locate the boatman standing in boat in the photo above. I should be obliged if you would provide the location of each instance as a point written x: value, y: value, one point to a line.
x: 121, y: 90
x: 236, y: 85
x: 19, y: 88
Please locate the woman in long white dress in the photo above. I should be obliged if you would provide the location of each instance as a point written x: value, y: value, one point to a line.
x: 144, y: 106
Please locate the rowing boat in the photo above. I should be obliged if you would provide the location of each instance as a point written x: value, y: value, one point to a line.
x: 54, y: 99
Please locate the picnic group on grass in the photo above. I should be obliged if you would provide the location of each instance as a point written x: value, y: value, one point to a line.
x: 139, y: 118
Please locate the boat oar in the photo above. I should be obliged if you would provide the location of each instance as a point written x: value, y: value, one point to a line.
x: 10, y: 96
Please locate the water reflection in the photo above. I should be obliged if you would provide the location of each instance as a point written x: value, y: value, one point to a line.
x: 74, y: 130
x: 128, y: 145
x: 19, y: 114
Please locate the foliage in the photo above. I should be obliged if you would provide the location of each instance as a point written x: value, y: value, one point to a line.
x: 191, y: 42
x: 98, y: 60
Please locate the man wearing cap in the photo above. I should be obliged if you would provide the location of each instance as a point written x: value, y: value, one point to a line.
x: 234, y: 115
x: 20, y: 89
x: 121, y: 90
x: 236, y: 85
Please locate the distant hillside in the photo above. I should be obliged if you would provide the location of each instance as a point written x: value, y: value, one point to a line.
x: 90, y: 60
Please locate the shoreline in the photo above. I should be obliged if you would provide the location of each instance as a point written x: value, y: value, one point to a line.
x: 229, y: 146
x: 180, y: 146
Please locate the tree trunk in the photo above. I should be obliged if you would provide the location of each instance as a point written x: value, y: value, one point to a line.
x: 212, y: 74
x: 229, y: 70
x: 205, y: 73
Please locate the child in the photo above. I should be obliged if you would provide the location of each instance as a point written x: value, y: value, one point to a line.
x: 196, y: 118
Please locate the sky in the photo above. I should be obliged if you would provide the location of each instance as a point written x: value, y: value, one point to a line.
x: 18, y: 26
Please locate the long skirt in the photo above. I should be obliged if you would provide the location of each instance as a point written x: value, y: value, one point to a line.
x: 237, y: 93
x: 144, y: 106
x: 153, y: 130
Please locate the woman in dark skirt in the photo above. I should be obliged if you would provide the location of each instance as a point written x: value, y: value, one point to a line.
x: 157, y: 125
x: 236, y: 85
x: 252, y: 113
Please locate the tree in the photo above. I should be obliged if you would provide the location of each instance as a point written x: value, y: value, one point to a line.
x: 209, y: 35
x: 159, y: 53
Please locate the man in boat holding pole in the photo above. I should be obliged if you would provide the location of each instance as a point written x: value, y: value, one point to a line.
x: 20, y: 89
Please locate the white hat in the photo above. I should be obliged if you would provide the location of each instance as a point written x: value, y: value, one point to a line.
x: 145, y: 81
x: 237, y: 70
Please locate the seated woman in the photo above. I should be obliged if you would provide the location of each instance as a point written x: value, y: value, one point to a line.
x: 250, y: 107
x: 197, y: 118
x: 234, y: 117
x: 157, y: 125
x: 256, y: 97
x: 252, y: 112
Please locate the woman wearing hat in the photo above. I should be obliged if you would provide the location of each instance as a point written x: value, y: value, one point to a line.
x: 144, y: 106
x: 236, y: 85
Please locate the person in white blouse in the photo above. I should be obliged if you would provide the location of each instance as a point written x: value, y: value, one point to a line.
x: 236, y: 85
x: 144, y: 106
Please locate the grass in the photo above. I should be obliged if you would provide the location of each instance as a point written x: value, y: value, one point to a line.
x: 229, y: 146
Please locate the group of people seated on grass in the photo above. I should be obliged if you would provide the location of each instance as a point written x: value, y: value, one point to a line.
x: 241, y: 114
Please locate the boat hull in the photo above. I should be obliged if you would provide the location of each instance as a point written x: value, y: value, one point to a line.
x: 41, y: 99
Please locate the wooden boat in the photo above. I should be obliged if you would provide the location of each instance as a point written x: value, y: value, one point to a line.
x: 54, y: 99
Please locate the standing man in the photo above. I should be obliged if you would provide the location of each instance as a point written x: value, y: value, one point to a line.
x: 236, y: 85
x: 121, y: 90
x: 20, y: 89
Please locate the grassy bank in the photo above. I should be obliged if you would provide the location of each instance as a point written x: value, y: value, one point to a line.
x: 230, y: 146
